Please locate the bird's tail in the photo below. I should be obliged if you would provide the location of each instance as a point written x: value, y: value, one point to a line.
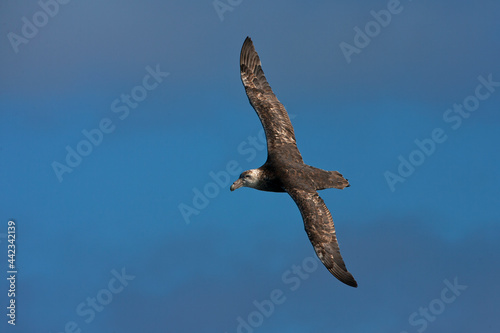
x: 328, y: 179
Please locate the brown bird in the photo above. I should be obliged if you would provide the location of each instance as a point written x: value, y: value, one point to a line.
x: 285, y: 171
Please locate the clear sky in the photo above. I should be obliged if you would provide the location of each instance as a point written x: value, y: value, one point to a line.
x: 122, y: 125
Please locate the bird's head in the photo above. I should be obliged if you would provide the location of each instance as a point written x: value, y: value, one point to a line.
x: 249, y: 178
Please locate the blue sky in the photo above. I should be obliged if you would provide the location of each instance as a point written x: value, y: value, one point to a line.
x: 148, y: 95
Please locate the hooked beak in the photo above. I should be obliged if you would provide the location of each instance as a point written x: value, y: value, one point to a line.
x: 237, y: 184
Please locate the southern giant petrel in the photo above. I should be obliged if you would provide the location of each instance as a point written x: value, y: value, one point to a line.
x: 285, y: 171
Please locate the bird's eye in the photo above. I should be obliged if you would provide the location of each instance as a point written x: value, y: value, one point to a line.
x: 247, y: 176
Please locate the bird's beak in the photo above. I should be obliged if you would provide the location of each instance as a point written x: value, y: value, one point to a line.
x: 237, y: 184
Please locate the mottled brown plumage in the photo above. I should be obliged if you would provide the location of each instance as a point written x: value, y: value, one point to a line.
x: 285, y: 171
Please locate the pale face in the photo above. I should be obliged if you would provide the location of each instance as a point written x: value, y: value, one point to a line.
x: 249, y: 178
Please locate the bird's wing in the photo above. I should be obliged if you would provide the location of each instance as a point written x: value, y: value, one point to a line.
x: 272, y: 114
x: 319, y: 226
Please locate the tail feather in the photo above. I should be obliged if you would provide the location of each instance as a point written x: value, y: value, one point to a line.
x: 337, y: 180
x: 328, y: 179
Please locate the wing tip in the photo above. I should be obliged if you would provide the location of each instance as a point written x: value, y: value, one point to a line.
x: 350, y: 281
x: 344, y: 276
x: 249, y: 57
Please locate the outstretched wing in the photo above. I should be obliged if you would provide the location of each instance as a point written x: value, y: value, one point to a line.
x: 272, y: 114
x: 319, y: 226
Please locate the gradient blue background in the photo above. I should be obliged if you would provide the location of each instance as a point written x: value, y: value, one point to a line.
x: 120, y: 207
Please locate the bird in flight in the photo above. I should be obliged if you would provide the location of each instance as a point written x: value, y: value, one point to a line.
x: 285, y: 171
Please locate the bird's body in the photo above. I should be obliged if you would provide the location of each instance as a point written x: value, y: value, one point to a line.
x: 285, y: 171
